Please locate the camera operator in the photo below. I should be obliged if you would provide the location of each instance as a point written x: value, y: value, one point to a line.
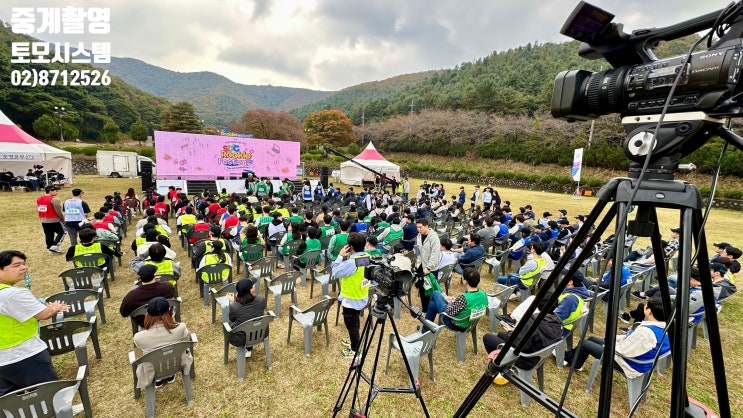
x: 354, y: 289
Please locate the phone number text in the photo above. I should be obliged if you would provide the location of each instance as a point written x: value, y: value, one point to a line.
x: 34, y: 77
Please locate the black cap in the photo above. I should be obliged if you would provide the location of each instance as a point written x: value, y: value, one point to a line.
x: 563, y: 211
x: 718, y: 267
x: 581, y: 218
x: 722, y: 245
x: 676, y: 230
x: 50, y: 188
x: 243, y: 286
x: 539, y: 226
x: 564, y: 221
x: 215, y: 230
x: 147, y: 272
x: 546, y: 214
x: 158, y: 306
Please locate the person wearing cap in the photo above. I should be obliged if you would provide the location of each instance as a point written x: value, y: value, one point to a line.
x: 563, y: 214
x: 733, y: 254
x: 76, y: 211
x: 579, y: 220
x: 719, y: 248
x: 52, y: 217
x: 160, y: 329
x: 24, y: 358
x: 722, y: 286
x: 696, y: 305
x: 148, y: 289
x: 244, y: 306
x: 542, y: 233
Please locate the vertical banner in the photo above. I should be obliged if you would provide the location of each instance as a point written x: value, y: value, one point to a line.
x: 577, y: 163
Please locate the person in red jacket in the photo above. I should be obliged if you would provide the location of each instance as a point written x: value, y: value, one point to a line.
x: 52, y: 218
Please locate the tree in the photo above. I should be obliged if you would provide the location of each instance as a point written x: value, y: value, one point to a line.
x: 269, y: 124
x: 329, y: 126
x: 110, y: 131
x: 138, y: 131
x: 180, y: 117
x: 46, y: 127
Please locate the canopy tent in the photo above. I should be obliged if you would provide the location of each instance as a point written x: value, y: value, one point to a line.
x: 355, y: 175
x: 20, y: 151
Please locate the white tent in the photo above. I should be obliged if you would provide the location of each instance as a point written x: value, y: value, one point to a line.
x: 355, y: 175
x: 20, y: 151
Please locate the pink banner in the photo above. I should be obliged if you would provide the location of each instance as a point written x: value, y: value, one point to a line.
x: 206, y: 157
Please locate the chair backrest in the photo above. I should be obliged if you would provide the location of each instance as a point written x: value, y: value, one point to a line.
x: 251, y: 252
x: 174, y: 303
x: 200, y: 235
x: 312, y: 258
x: 288, y: 281
x: 256, y: 329
x: 215, y: 273
x: 58, y: 335
x: 428, y: 339
x: 291, y: 246
x: 501, y: 295
x: 445, y: 273
x: 81, y: 278
x: 477, y: 264
x: 325, y: 241
x: 542, y: 354
x: 320, y: 310
x: 166, y: 360
x: 76, y: 300
x: 266, y: 265
x: 43, y: 400
x: 89, y: 260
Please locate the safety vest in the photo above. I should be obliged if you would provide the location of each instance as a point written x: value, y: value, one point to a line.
x: 223, y: 196
x: 528, y: 278
x: 163, y: 267
x: 159, y: 228
x: 73, y: 210
x: 393, y: 235
x: 211, y: 259
x: 340, y: 241
x: 139, y: 241
x: 261, y: 189
x: 351, y: 285
x: 188, y: 219
x: 327, y: 230
x: 319, y: 191
x: 45, y: 208
x: 567, y: 322
x: 661, y: 344
x: 312, y: 245
x: 475, y: 301
x: 94, y: 248
x: 13, y: 332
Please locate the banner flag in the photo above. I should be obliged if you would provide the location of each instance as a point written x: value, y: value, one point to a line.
x: 577, y: 163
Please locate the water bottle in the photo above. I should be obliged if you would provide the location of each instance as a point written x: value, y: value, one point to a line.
x: 27, y: 281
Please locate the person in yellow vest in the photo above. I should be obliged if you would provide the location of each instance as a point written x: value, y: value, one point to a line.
x: 570, y: 303
x: 349, y: 267
x: 459, y: 309
x: 88, y: 245
x: 530, y: 271
x: 24, y: 358
x: 157, y: 255
x: 215, y: 255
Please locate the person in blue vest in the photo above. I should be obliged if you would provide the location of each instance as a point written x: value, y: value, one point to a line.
x: 641, y: 344
x: 349, y: 267
x: 24, y: 358
x: 307, y: 192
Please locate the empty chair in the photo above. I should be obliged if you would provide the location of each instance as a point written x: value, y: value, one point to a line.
x: 219, y: 297
x: 461, y: 336
x: 527, y: 375
x: 312, y: 258
x: 83, y: 301
x: 325, y: 278
x: 314, y: 316
x: 498, y: 300
x: 162, y: 363
x: 259, y: 270
x: 493, y: 265
x: 415, y: 346
x: 256, y: 331
x: 210, y: 275
x: 283, y: 284
x: 444, y: 276
x: 174, y: 303
x: 48, y: 399
x: 65, y: 336
x: 85, y: 278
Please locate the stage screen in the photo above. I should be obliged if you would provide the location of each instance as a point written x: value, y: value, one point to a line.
x: 206, y: 157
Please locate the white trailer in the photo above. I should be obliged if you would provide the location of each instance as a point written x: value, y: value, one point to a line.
x: 120, y: 163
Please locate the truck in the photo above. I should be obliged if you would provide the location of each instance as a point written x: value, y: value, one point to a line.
x: 121, y: 163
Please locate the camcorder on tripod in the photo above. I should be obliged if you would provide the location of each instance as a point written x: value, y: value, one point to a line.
x: 669, y: 109
x: 391, y: 285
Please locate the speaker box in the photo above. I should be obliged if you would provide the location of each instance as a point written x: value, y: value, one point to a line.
x: 146, y: 180
x: 147, y: 168
x: 324, y: 171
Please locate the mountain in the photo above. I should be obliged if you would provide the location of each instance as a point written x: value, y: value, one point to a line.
x: 217, y: 99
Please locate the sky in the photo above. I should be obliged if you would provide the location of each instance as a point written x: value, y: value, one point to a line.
x: 333, y: 44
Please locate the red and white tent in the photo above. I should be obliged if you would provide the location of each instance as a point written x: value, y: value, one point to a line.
x: 355, y: 175
x: 20, y: 151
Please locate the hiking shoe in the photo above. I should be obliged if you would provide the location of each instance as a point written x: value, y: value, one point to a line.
x: 624, y: 317
x: 347, y: 353
x: 346, y: 342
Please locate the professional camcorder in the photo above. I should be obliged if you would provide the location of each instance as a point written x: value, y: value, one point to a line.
x: 390, y: 279
x: 639, y: 83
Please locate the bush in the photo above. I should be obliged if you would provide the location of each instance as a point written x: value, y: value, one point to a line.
x: 734, y: 194
x: 147, y: 152
x: 89, y: 150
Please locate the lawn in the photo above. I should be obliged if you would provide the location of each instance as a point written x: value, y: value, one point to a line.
x: 298, y: 385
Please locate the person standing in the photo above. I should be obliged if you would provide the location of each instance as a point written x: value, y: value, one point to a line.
x: 349, y: 268
x: 24, y: 358
x: 52, y: 216
x: 76, y: 210
x: 405, y: 190
x: 429, y: 246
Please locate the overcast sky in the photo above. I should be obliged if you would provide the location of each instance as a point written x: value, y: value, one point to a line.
x: 333, y: 44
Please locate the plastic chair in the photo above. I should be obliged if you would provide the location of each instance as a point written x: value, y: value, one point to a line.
x: 314, y: 316
x: 94, y: 260
x: 163, y: 278
x: 219, y: 297
x: 114, y: 245
x: 406, y: 277
x: 444, y: 276
x: 211, y: 275
x: 48, y: 399
x: 290, y: 246
x: 283, y: 284
x: 566, y: 343
x: 63, y: 337
x: 312, y: 257
x: 635, y: 385
x: 166, y: 361
x: 78, y: 303
x: 325, y: 278
x: 498, y: 300
x: 415, y: 346
x: 85, y: 278
x: 256, y: 331
x: 174, y: 303
x: 259, y: 270
x: 493, y: 265
x: 477, y: 264
x: 461, y: 336
x: 527, y: 375
x: 249, y: 253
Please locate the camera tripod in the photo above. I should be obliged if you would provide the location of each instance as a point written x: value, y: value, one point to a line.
x: 652, y: 194
x: 379, y: 313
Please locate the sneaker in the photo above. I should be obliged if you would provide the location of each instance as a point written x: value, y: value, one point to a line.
x: 55, y: 249
x: 170, y: 379
x: 638, y: 294
x: 347, y: 353
x: 567, y: 364
x: 624, y: 317
x: 248, y: 353
x: 513, y: 296
x: 346, y: 342
x: 159, y: 383
x: 506, y: 326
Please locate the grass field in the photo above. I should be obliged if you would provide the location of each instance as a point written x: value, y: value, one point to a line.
x: 300, y: 386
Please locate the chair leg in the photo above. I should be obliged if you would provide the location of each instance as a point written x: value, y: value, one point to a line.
x: 240, y: 363
x: 205, y: 294
x: 389, y: 350
x: 307, y: 340
x: 592, y: 375
x: 327, y: 333
x: 149, y: 399
x: 474, y: 339
x: 267, y: 349
x: 94, y: 337
x: 187, y: 387
x: 460, y: 338
x: 560, y: 354
x: 430, y: 365
x: 101, y: 311
x: 526, y: 375
x: 277, y: 304
x: 414, y: 362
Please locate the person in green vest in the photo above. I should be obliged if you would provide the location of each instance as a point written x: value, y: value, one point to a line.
x: 371, y: 246
x: 311, y: 244
x: 354, y: 294
x: 24, y: 358
x: 295, y: 216
x: 223, y: 195
x: 287, y: 188
x: 338, y: 241
x: 389, y: 234
x: 250, y: 183
x: 262, y: 189
x: 296, y: 232
x: 327, y: 228
x: 461, y: 308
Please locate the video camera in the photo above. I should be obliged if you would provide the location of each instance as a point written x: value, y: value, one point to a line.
x: 639, y: 83
x: 390, y: 279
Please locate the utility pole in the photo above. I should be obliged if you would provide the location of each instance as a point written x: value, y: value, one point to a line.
x: 363, y: 126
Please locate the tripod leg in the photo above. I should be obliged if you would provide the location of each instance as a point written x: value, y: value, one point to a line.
x: 354, y: 372
x: 416, y: 388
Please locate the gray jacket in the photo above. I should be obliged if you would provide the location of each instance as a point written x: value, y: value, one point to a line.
x: 430, y: 250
